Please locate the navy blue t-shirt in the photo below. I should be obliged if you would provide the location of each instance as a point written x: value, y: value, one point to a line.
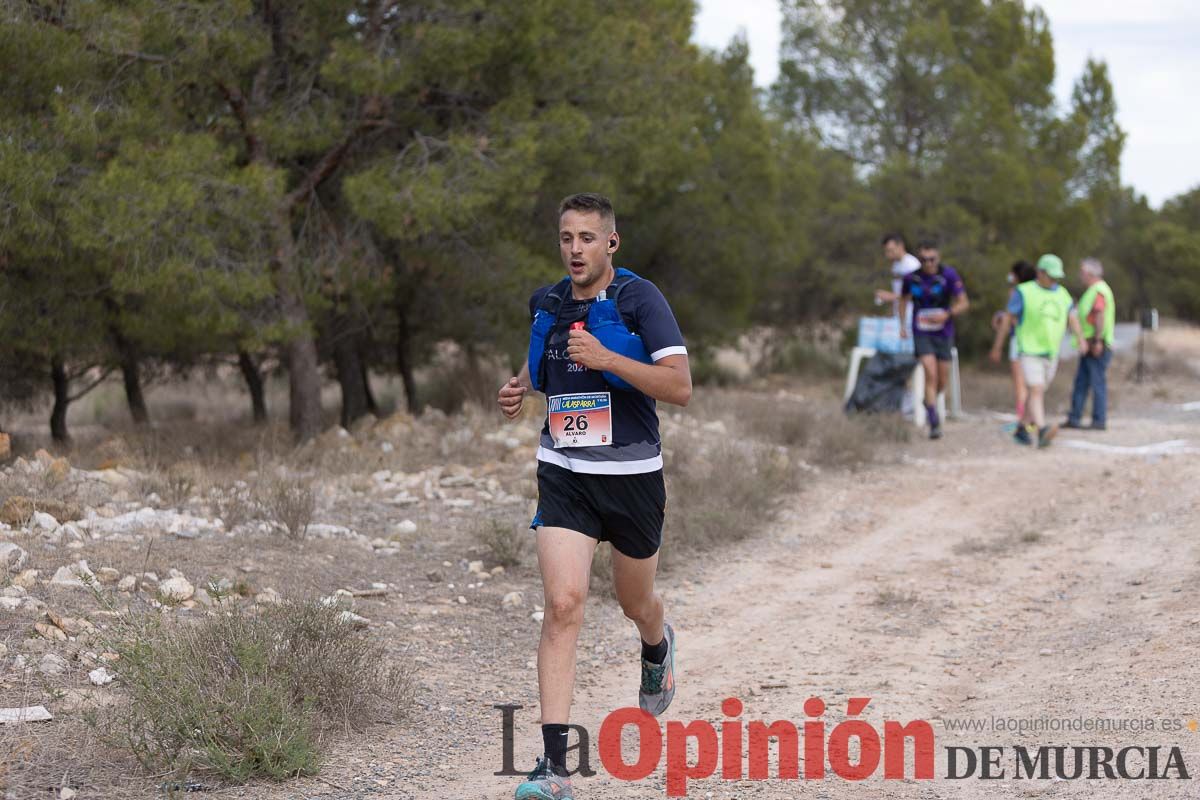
x: 636, y: 447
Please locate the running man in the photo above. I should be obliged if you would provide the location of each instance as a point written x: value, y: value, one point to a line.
x: 1041, y: 309
x: 600, y: 461
x: 1098, y: 317
x: 903, y: 262
x: 937, y: 295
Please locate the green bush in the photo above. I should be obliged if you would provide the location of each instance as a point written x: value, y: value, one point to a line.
x: 241, y: 694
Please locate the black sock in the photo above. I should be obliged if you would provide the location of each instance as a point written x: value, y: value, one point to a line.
x: 655, y: 653
x: 554, y: 737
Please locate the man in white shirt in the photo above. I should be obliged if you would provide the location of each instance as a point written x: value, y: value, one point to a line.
x: 903, y: 262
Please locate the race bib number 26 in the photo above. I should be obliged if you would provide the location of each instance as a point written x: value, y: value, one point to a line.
x: 581, y: 420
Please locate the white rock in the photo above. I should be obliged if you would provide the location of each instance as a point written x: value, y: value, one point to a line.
x: 513, y: 599
x: 27, y: 579
x: 407, y: 526
x: 108, y: 575
x: 67, y: 793
x: 100, y: 677
x: 462, y: 601
x: 538, y: 616
x: 127, y: 583
x: 75, y: 576
x: 475, y: 566
x: 354, y: 620
x: 12, y: 556
x: 13, y: 591
x: 44, y: 521
x: 387, y: 447
x: 174, y: 573
x: 52, y: 664
x: 497, y: 570
x: 72, y: 533
x: 10, y: 603
x: 268, y: 595
x: 176, y: 589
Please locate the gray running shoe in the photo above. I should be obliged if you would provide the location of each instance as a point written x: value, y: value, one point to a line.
x: 658, y: 680
x: 1046, y: 436
x: 545, y: 784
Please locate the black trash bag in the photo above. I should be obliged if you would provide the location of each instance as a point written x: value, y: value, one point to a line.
x: 882, y: 384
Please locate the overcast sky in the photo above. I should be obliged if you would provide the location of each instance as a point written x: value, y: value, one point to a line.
x: 1153, y: 52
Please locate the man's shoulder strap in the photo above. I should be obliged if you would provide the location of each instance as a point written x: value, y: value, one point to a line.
x: 554, y: 296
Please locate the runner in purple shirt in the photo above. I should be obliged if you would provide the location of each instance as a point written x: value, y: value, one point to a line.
x: 937, y: 296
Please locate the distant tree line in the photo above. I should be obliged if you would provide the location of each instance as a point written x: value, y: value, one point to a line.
x: 342, y: 183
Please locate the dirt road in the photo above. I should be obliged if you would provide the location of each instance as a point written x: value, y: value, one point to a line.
x: 969, y: 580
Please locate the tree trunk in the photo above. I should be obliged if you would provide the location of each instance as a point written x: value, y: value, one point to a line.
x: 304, y: 376
x: 254, y: 383
x: 62, y: 399
x: 372, y: 405
x: 131, y: 374
x: 349, y: 371
x: 404, y: 356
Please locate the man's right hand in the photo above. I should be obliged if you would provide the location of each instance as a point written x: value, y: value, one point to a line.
x: 512, y: 396
x: 994, y: 355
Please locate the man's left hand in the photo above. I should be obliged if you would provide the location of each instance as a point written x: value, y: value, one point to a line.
x: 585, y: 349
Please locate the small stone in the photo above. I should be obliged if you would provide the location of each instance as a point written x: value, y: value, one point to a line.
x: 176, y: 589
x: 27, y: 579
x: 1045, y: 652
x: 12, y: 556
x: 433, y: 576
x: 497, y: 570
x: 52, y: 664
x: 75, y: 576
x: 127, y: 583
x: 67, y: 793
x: 108, y: 575
x: 512, y: 600
x: 475, y: 566
x: 267, y: 596
x: 354, y: 620
x: 44, y: 521
x: 406, y: 527
x: 100, y: 677
x: 538, y: 616
x: 10, y: 603
x: 50, y: 631
x: 462, y: 601
x: 202, y: 597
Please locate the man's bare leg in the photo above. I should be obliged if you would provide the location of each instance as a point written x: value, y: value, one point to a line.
x: 565, y: 560
x: 633, y: 580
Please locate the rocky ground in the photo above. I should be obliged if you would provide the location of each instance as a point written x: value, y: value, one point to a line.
x: 965, y: 578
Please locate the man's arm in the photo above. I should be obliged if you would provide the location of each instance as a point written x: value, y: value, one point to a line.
x: 669, y: 379
x: 903, y: 316
x: 1077, y: 329
x: 959, y: 304
x: 512, y: 394
x: 1006, y: 323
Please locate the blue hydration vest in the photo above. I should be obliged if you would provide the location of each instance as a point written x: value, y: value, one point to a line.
x: 604, y: 322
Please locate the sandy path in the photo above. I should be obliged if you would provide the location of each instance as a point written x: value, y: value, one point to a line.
x: 977, y: 580
x: 972, y: 579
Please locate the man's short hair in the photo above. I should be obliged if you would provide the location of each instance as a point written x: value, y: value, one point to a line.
x: 1024, y: 271
x: 927, y: 244
x: 589, y: 202
x: 1093, y: 267
x: 893, y: 237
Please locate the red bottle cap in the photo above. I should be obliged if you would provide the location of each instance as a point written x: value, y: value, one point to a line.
x: 578, y: 326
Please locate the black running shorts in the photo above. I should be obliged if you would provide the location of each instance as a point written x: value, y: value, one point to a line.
x: 937, y: 346
x: 627, y: 510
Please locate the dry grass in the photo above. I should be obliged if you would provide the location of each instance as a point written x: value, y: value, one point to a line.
x: 505, y: 542
x: 723, y: 494
x: 241, y: 694
x: 290, y: 502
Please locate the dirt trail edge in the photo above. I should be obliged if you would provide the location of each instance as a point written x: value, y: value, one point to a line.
x: 975, y: 580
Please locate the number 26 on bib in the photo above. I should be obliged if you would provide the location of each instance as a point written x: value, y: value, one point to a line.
x: 581, y: 420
